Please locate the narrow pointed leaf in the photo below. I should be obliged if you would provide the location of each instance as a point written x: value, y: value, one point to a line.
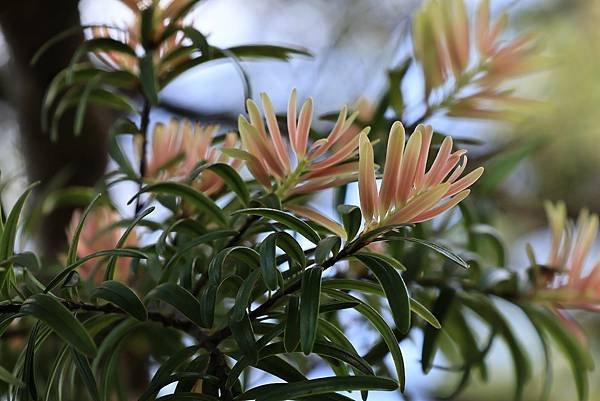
x: 268, y: 264
x: 233, y: 180
x: 122, y: 296
x: 50, y: 311
x: 285, y: 218
x: 179, y: 298
x: 85, y: 372
x: 310, y: 299
x: 394, y: 287
x: 189, y: 194
x: 292, y: 325
x: 243, y: 334
x: 280, y: 392
x: 440, y: 310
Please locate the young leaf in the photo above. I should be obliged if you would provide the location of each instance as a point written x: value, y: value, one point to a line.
x: 268, y: 264
x: 395, y: 290
x: 123, y: 297
x: 310, y: 299
x: 50, y: 311
x: 285, y: 218
x: 179, y: 298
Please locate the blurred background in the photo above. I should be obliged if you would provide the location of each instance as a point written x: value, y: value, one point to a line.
x: 353, y: 43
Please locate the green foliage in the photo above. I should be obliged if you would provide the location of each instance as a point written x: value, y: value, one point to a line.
x: 230, y: 281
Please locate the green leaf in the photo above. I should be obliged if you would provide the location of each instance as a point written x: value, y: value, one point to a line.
x: 442, y: 250
x: 379, y: 323
x: 62, y: 321
x: 186, y: 397
x: 292, y: 324
x: 291, y: 248
x: 30, y: 388
x: 285, y: 218
x: 148, y: 78
x: 92, y: 84
x: 208, y: 297
x: 495, y: 237
x: 242, y: 299
x: 395, y: 78
x: 9, y: 378
x: 372, y: 288
x: 9, y: 233
x: 488, y: 312
x: 100, y: 44
x: 579, y: 359
x: 240, y: 253
x: 243, y: 333
x: 440, y: 310
x: 268, y: 264
x: 501, y: 166
x: 112, y: 263
x: 186, y: 192
x: 165, y: 370
x: 394, y: 287
x: 122, y: 296
x: 232, y: 179
x: 310, y: 299
x: 87, y: 376
x: 131, y: 253
x: 28, y: 260
x: 424, y: 313
x: 179, y: 298
x: 279, y: 391
x: 351, y: 218
x: 265, y: 51
x: 202, y: 239
x: 384, y: 259
x: 327, y: 246
x: 332, y: 350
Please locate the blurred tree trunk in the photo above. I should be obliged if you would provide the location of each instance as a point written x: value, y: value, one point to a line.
x: 27, y: 25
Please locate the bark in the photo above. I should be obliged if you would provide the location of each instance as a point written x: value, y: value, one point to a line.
x: 27, y: 25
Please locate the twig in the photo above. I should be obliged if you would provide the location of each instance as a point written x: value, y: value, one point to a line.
x: 144, y: 125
